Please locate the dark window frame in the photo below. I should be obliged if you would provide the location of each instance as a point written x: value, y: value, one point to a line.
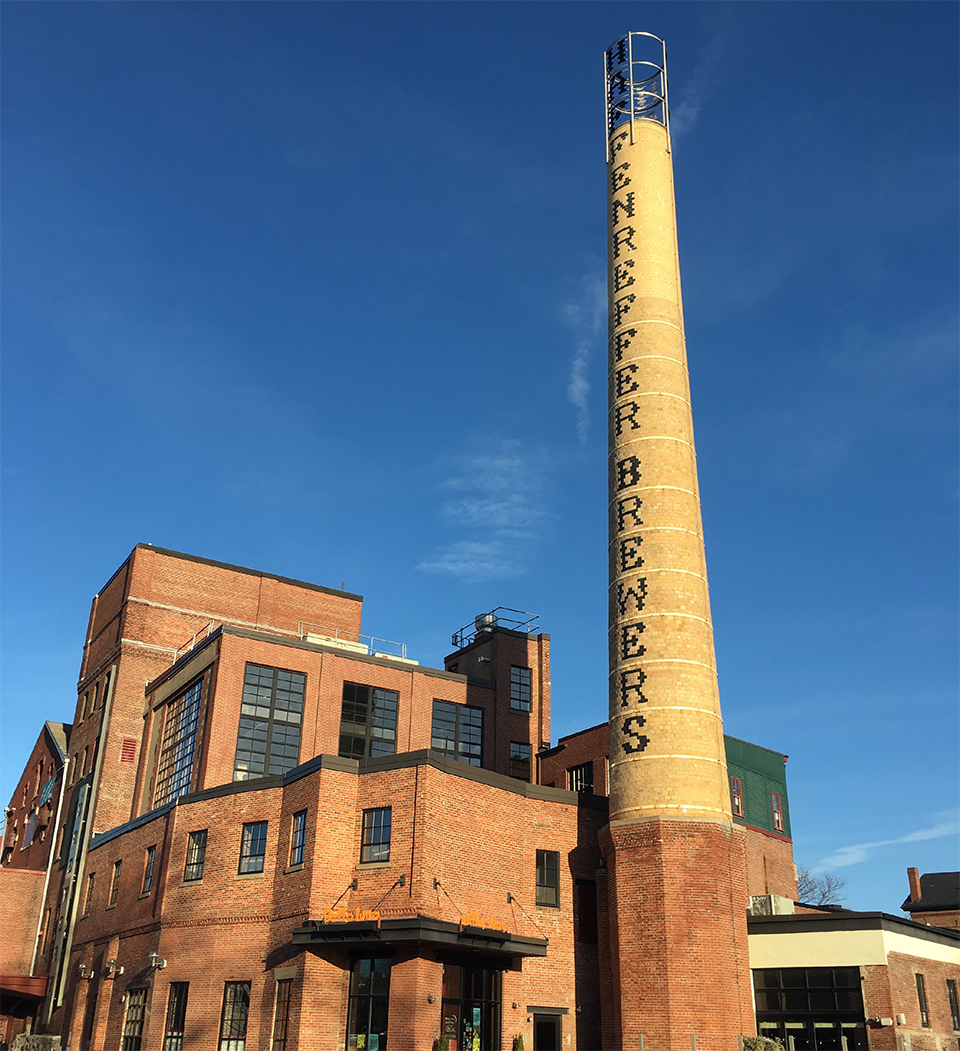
x: 176, y: 1016
x: 457, y: 731
x: 253, y: 848
x: 521, y: 688
x: 548, y: 878
x: 234, y: 1015
x: 88, y: 899
x: 196, y: 856
x: 736, y: 796
x: 520, y: 755
x: 115, y: 884
x: 133, y: 1018
x: 375, y: 835
x: 922, y: 1001
x: 149, y: 861
x: 298, y: 837
x: 580, y: 778
x: 281, y: 1014
x: 271, y: 721
x: 368, y: 721
x: 954, y: 1003
x: 178, y: 744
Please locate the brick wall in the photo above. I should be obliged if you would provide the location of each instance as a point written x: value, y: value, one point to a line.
x: 892, y: 989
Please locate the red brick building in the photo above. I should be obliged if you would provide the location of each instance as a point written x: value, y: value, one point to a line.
x: 265, y: 830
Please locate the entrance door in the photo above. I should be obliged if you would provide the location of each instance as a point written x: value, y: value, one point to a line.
x: 546, y: 1033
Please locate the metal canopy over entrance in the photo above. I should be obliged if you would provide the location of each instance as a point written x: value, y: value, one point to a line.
x: 416, y: 931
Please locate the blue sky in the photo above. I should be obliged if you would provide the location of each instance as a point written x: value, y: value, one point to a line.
x: 318, y: 288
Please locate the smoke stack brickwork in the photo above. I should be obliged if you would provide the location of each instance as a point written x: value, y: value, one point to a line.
x: 676, y: 881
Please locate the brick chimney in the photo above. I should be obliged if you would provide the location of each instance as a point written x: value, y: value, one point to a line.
x: 914, y: 876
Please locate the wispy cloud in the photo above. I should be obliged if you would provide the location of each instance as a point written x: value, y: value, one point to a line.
x: 584, y: 314
x: 501, y: 506
x: 688, y: 99
x: 948, y: 824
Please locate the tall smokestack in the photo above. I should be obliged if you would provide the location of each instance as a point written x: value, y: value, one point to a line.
x: 678, y: 887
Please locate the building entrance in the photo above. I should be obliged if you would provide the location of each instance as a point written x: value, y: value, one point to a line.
x: 546, y: 1033
x: 471, y: 1008
x: 369, y: 1005
x: 811, y: 1008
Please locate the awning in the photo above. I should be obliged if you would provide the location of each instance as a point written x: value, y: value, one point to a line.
x: 417, y: 932
x: 23, y: 985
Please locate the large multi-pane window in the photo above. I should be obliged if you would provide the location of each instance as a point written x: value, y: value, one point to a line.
x: 369, y: 1004
x: 375, y: 835
x: 548, y: 877
x: 176, y: 1016
x: 271, y: 710
x: 196, y: 855
x: 368, y: 721
x: 178, y: 745
x: 520, y: 760
x: 233, y: 1018
x: 458, y: 732
x: 281, y: 1014
x: 298, y: 837
x: 133, y: 1020
x: 253, y: 847
x: 520, y: 689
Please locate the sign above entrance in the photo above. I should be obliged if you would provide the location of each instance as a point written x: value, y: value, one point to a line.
x: 357, y: 915
x: 474, y: 919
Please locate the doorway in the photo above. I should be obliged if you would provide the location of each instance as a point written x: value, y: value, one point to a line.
x: 546, y: 1032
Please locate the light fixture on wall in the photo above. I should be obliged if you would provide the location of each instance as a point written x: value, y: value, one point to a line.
x: 431, y: 999
x: 85, y: 972
x: 156, y: 961
x: 113, y: 971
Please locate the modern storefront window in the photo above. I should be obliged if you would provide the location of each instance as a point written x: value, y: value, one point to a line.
x: 369, y: 1005
x: 815, y: 1006
x: 470, y: 1011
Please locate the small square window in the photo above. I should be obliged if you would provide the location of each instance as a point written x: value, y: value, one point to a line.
x: 375, y: 838
x: 253, y: 847
x: 548, y: 877
x: 520, y: 760
x: 580, y: 778
x: 196, y: 854
x: 520, y: 688
x: 736, y: 796
x: 298, y: 837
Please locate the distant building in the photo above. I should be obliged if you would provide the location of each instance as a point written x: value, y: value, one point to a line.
x: 934, y: 898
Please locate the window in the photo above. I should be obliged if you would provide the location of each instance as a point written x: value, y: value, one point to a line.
x: 83, y: 707
x: 96, y: 694
x: 178, y: 745
x: 133, y: 1021
x: 922, y: 1000
x: 73, y: 767
x: 176, y: 1015
x: 520, y: 760
x: 271, y: 709
x: 368, y: 721
x: 233, y: 1018
x: 298, y: 837
x: 458, y: 732
x: 89, y: 895
x: 777, y: 812
x: 375, y: 838
x: 369, y: 1004
x: 253, y: 847
x: 580, y: 778
x: 954, y: 1005
x: 115, y: 885
x: 196, y: 853
x: 736, y: 796
x: 281, y: 1014
x: 520, y: 679
x: 149, y: 859
x: 548, y: 877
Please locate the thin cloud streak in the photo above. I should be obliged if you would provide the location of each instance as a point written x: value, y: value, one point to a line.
x: 585, y: 315
x: 949, y: 825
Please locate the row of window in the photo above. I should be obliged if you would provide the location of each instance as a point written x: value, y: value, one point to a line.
x: 271, y: 715
x: 92, y: 700
x: 951, y: 1000
x: 234, y: 1014
x: 375, y: 835
x: 736, y: 801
